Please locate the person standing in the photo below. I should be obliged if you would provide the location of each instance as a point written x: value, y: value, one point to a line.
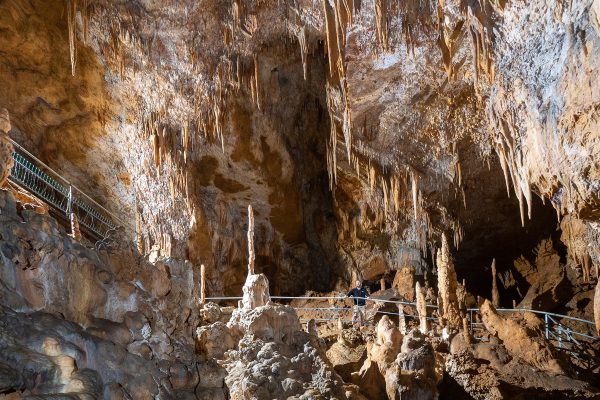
x: 359, y: 295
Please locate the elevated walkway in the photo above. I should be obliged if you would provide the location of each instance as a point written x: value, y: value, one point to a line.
x: 34, y: 176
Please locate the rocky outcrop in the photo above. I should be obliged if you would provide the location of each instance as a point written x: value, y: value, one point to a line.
x: 412, y: 375
x: 550, y: 286
x: 521, y: 342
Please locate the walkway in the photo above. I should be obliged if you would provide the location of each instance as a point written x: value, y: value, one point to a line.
x: 37, y: 178
x: 573, y: 335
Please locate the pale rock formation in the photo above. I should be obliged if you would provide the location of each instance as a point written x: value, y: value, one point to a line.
x: 447, y: 285
x: 256, y: 291
x: 421, y: 309
x: 404, y: 282
x: 387, y: 343
x: 526, y: 344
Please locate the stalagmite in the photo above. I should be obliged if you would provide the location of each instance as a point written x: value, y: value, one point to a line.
x: 250, y: 241
x: 447, y: 285
x: 495, y: 294
x: 401, y: 319
x: 466, y: 333
x: 382, y: 283
x: 202, y: 284
x: 421, y: 309
x: 75, y: 232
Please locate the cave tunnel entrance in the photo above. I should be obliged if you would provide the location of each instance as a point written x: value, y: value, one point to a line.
x: 493, y: 231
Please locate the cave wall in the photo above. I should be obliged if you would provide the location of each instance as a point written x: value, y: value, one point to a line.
x: 359, y: 133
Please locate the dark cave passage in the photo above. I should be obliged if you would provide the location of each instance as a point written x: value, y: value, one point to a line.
x: 494, y: 231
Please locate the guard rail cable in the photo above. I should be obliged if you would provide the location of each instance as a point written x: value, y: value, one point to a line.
x: 34, y: 176
x: 558, y: 329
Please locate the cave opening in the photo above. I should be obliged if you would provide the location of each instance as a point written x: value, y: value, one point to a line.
x: 493, y: 231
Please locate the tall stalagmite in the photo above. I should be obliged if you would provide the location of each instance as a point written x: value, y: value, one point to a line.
x: 495, y: 294
x: 447, y: 286
x: 421, y: 309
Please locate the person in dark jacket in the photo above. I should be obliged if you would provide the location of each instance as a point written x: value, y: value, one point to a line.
x: 359, y: 295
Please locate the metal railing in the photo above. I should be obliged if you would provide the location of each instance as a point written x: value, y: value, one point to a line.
x: 558, y: 328
x: 43, y: 182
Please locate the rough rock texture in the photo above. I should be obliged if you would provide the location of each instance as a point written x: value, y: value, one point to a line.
x: 412, y: 375
x: 6, y: 148
x: 447, y: 286
x: 527, y: 344
x: 387, y: 343
x: 550, y: 286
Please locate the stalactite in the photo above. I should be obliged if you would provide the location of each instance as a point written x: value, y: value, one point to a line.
x: 384, y: 188
x: 372, y: 178
x: 257, y: 81
x: 138, y: 230
x: 301, y: 35
x: 347, y: 130
x: 250, y: 241
x: 414, y: 184
x: 381, y: 21
x: 72, y: 26
x: 502, y: 157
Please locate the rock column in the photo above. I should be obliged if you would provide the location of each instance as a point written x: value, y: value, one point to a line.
x: 6, y: 148
x: 421, y: 309
x: 447, y: 286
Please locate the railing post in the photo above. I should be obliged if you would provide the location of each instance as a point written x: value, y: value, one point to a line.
x: 471, y: 319
x: 546, y: 325
x: 560, y: 335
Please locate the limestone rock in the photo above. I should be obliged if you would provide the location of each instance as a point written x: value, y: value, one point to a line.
x: 256, y: 291
x: 6, y: 148
x: 387, y: 343
x: 404, y: 281
x: 346, y: 358
x: 214, y: 340
x: 412, y: 375
x: 519, y: 341
x: 370, y: 380
x: 550, y: 287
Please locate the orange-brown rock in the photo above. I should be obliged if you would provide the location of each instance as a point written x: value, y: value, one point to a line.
x: 526, y: 344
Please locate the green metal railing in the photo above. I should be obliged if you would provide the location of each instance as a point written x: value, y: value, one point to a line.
x: 34, y: 176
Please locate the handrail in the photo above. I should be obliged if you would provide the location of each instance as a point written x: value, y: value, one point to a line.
x: 24, y: 150
x: 568, y: 331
